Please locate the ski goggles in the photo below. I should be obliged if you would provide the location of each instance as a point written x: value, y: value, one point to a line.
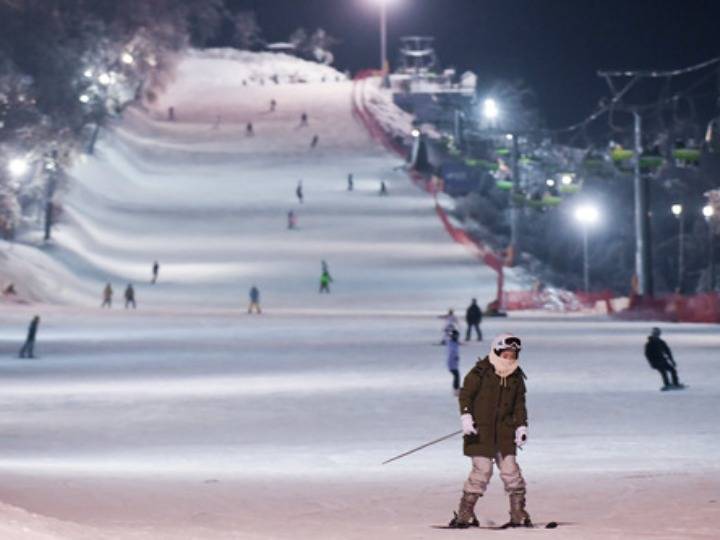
x: 508, y: 342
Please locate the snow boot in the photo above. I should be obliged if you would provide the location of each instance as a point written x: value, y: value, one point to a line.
x: 518, y: 515
x: 465, y: 517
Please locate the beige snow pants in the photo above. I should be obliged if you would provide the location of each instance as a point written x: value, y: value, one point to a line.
x: 482, y: 469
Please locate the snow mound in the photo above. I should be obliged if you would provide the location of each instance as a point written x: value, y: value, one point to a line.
x: 259, y: 67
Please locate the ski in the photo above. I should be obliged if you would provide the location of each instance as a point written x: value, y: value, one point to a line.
x: 542, y: 525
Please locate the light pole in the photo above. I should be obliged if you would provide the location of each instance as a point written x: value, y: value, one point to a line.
x: 587, y: 215
x: 677, y: 211
x: 384, y: 66
x: 709, y: 212
x: 491, y: 113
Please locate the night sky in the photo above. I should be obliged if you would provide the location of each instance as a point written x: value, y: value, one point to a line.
x: 554, y: 46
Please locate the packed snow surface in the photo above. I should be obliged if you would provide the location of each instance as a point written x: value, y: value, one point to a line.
x: 189, y: 418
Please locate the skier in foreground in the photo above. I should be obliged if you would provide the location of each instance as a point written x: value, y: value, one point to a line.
x: 494, y: 424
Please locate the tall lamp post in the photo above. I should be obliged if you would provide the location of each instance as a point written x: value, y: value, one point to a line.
x: 677, y: 211
x: 384, y: 66
x: 709, y: 212
x: 587, y: 215
x: 491, y: 114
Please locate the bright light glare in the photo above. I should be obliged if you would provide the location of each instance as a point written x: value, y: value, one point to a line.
x: 18, y: 166
x: 490, y: 109
x: 708, y: 211
x: 676, y: 209
x: 587, y: 214
x: 415, y: 132
x: 104, y: 79
x: 88, y: 73
x: 550, y: 182
x: 509, y: 136
x: 127, y: 58
x: 84, y: 98
x: 566, y: 179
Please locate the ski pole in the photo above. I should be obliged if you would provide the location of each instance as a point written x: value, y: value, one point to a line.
x: 423, y: 446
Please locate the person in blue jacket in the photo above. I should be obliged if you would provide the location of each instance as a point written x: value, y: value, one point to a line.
x: 453, y: 359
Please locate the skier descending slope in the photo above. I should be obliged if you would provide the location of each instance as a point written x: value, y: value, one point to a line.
x: 453, y: 359
x: 107, y: 296
x: 450, y: 323
x: 155, y: 270
x: 494, y: 424
x: 325, y: 281
x: 660, y: 358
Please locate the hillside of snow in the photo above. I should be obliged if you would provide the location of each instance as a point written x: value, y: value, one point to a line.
x: 210, y: 203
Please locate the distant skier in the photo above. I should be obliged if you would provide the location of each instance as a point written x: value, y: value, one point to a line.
x: 249, y: 130
x: 453, y: 359
x: 383, y: 188
x: 291, y: 220
x: 494, y: 424
x: 304, y: 119
x: 324, y: 267
x: 273, y: 105
x: 350, y: 183
x: 660, y: 358
x: 314, y: 141
x: 450, y: 323
x: 130, y: 296
x: 155, y: 270
x: 27, y: 350
x: 299, y: 191
x: 254, y: 300
x: 473, y: 318
x: 171, y: 114
x: 325, y: 281
x: 107, y: 296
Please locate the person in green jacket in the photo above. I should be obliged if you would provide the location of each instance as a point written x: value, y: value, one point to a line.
x: 325, y: 281
x: 494, y: 422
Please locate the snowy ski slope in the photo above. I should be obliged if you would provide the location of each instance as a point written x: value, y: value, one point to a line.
x: 190, y: 419
x: 210, y: 204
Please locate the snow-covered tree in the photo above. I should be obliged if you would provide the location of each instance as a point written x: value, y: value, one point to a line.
x: 67, y: 65
x: 246, y: 30
x: 315, y: 46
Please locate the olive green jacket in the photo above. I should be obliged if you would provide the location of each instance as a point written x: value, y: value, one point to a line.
x: 497, y: 410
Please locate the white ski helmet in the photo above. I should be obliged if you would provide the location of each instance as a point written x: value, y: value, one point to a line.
x: 504, y: 342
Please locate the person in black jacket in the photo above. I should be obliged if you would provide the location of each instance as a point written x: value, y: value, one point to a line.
x: 473, y: 317
x: 130, y: 296
x: 660, y: 358
x: 27, y: 348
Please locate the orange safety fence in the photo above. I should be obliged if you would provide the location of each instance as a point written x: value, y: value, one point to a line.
x: 698, y: 308
x: 557, y: 299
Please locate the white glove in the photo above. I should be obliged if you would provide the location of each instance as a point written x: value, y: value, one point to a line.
x: 468, y: 426
x: 521, y: 435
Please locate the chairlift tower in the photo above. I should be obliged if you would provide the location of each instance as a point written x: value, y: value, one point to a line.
x: 417, y: 55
